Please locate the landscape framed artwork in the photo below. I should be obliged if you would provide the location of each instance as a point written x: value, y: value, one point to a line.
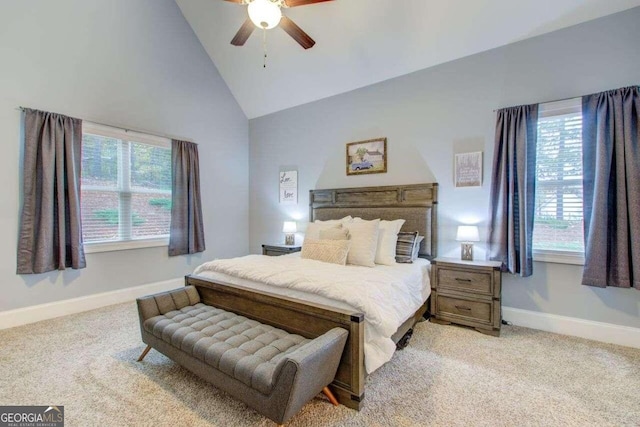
x: 468, y: 169
x: 368, y: 156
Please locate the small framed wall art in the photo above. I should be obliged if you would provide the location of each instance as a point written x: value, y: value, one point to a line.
x: 368, y: 156
x: 289, y: 187
x: 468, y: 169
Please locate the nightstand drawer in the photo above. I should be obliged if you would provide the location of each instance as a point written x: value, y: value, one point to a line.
x: 270, y: 252
x: 475, y: 311
x: 467, y: 281
x: 277, y: 250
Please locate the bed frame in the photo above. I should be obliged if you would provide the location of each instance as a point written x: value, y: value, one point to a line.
x: 417, y: 204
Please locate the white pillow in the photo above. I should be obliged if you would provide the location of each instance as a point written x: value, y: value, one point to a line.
x: 334, y: 234
x: 387, y: 239
x: 347, y: 218
x: 364, y: 242
x: 313, y: 230
x: 332, y: 251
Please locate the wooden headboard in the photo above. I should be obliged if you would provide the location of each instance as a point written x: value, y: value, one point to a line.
x: 417, y: 204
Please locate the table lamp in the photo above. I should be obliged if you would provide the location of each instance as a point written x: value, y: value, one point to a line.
x: 467, y: 234
x: 289, y: 228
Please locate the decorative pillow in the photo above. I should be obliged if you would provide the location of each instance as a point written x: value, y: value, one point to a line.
x: 332, y: 251
x: 387, y: 239
x: 313, y: 230
x: 416, y: 248
x: 364, y: 241
x: 404, y: 246
x: 347, y: 218
x: 334, y: 234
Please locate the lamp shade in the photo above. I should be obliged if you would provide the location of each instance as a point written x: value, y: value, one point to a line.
x: 289, y: 227
x: 264, y: 13
x: 468, y: 233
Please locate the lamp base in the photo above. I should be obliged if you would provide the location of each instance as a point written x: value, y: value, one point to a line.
x: 290, y: 239
x: 466, y: 251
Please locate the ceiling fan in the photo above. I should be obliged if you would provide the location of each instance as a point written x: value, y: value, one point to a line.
x: 267, y: 14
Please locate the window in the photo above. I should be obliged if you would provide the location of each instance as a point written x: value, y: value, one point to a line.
x: 558, y: 218
x: 125, y: 188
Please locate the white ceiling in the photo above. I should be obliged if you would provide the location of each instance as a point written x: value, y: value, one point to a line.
x: 361, y: 42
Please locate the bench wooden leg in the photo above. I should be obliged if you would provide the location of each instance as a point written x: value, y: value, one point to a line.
x: 144, y: 353
x: 330, y: 395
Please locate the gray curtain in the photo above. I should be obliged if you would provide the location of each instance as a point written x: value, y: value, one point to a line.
x: 611, y: 188
x: 513, y: 189
x: 50, y: 231
x: 187, y: 231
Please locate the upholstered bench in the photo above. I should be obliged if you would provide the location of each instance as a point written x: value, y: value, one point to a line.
x: 271, y: 370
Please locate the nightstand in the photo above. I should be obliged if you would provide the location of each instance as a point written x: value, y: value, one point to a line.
x: 467, y: 293
x: 276, y: 250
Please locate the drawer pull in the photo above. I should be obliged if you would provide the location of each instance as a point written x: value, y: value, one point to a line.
x: 461, y: 307
x: 462, y: 280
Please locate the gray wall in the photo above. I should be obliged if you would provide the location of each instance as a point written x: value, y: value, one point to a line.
x: 428, y: 116
x: 133, y: 64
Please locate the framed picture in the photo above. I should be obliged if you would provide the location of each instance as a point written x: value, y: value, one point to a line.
x: 368, y: 156
x: 468, y: 169
x: 289, y: 187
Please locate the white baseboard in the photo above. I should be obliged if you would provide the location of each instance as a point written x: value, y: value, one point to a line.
x: 36, y: 313
x: 597, y: 331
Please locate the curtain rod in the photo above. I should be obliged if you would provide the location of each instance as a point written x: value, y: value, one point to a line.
x: 544, y: 102
x: 126, y: 129
x: 558, y: 100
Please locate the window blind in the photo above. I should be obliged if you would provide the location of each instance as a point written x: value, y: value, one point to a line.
x: 125, y: 187
x: 558, y: 218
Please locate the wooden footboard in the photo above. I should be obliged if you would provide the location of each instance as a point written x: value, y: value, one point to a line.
x: 304, y: 318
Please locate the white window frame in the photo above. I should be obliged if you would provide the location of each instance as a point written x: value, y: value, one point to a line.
x: 567, y: 106
x: 126, y: 136
x: 558, y: 257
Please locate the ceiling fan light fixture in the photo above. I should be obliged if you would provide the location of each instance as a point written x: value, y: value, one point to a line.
x: 264, y: 13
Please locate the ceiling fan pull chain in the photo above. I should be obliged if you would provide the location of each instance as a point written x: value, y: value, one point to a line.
x: 264, y: 47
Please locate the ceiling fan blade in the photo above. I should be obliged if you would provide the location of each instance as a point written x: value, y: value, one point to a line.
x: 296, y: 32
x: 235, y: 1
x: 294, y: 3
x: 243, y: 33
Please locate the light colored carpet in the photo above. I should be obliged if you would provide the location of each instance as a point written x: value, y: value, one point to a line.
x: 448, y: 376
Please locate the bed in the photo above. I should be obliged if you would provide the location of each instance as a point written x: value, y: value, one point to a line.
x: 311, y: 316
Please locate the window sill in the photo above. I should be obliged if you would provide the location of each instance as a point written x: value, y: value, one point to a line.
x: 559, y: 257
x: 123, y: 245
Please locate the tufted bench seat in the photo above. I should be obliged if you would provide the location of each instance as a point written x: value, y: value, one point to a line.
x: 244, y: 349
x: 269, y: 369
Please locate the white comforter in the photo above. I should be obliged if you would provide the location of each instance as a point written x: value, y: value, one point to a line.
x: 387, y: 295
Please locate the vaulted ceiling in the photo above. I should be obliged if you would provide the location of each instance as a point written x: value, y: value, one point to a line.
x: 361, y: 42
